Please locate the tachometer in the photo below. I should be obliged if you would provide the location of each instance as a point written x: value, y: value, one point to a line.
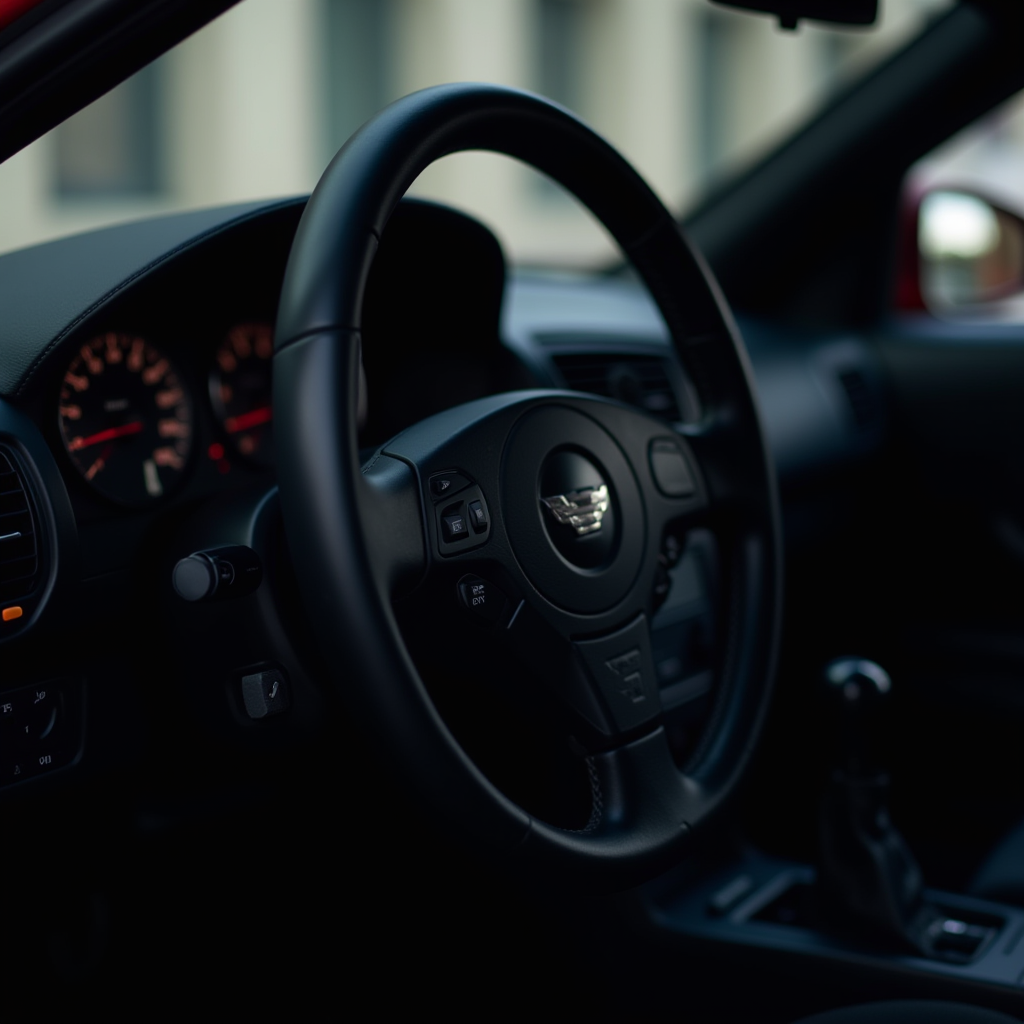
x: 240, y: 390
x: 126, y: 418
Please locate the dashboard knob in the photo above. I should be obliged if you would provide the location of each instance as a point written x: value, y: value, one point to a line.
x: 217, y: 574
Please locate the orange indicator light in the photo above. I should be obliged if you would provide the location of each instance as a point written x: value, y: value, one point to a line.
x: 14, y: 612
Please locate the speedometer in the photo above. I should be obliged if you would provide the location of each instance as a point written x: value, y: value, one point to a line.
x: 126, y: 418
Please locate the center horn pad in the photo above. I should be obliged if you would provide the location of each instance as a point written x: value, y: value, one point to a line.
x: 572, y: 510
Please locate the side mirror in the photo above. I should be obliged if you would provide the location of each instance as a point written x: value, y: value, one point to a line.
x: 970, y: 254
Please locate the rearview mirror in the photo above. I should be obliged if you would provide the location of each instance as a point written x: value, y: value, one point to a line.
x: 970, y: 253
x: 789, y: 12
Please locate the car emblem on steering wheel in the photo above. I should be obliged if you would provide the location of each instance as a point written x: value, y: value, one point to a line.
x: 583, y: 510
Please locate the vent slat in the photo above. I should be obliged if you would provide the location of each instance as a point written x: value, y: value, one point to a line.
x: 641, y: 381
x: 19, y: 555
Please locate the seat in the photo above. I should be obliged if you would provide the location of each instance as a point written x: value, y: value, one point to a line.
x: 910, y: 1012
x: 1001, y: 875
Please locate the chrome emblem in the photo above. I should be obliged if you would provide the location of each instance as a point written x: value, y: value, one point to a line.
x: 583, y: 510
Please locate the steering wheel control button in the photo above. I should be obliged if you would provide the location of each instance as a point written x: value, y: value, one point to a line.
x: 444, y: 484
x: 482, y: 599
x: 623, y: 669
x: 455, y: 527
x: 464, y: 523
x: 265, y: 693
x: 217, y: 574
x: 670, y: 469
x: 478, y: 516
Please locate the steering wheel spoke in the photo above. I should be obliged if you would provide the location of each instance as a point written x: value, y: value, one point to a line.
x: 604, y: 688
x: 392, y: 518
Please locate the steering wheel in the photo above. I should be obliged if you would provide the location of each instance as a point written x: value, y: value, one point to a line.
x: 539, y: 514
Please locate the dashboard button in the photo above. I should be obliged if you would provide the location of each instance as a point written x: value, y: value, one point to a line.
x: 443, y: 484
x: 670, y: 470
x: 265, y: 693
x: 481, y: 598
x: 455, y: 527
x: 478, y: 516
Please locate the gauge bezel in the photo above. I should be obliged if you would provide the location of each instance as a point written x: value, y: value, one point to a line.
x: 164, y: 350
x: 262, y: 458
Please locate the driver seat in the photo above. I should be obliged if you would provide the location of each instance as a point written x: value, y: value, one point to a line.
x: 910, y: 1012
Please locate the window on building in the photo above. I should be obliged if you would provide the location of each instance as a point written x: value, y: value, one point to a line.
x: 112, y: 148
x: 838, y: 50
x: 559, y: 71
x: 560, y: 32
x: 359, y: 43
x: 715, y: 71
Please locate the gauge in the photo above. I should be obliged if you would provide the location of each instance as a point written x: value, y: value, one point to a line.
x: 126, y: 418
x: 240, y: 390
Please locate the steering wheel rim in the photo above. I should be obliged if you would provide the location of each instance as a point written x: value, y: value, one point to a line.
x: 356, y: 533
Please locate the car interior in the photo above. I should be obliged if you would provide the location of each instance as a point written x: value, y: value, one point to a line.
x: 393, y: 632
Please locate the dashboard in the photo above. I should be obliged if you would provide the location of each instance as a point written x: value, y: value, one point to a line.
x: 135, y: 374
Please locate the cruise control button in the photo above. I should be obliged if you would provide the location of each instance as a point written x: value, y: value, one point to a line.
x: 482, y: 598
x: 478, y: 516
x: 444, y: 484
x: 454, y: 527
x: 670, y: 470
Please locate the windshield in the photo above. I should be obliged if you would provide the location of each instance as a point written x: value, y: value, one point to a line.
x: 255, y: 104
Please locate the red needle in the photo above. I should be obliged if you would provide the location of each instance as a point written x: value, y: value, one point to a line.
x: 233, y: 424
x: 106, y: 435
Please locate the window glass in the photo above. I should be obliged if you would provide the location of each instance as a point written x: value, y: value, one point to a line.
x: 255, y: 104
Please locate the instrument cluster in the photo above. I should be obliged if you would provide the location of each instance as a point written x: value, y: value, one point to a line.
x: 127, y: 411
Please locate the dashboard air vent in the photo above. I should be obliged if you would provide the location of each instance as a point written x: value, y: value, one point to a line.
x: 862, y: 398
x: 635, y: 380
x: 19, y: 551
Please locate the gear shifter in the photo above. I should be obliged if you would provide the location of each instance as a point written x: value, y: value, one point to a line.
x: 868, y: 878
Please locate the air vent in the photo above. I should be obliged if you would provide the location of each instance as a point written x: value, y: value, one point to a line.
x: 862, y: 398
x: 635, y: 380
x: 19, y: 551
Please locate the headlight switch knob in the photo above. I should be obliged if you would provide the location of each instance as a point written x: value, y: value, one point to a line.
x: 217, y: 574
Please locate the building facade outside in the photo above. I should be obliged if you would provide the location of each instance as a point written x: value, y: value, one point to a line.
x: 254, y: 105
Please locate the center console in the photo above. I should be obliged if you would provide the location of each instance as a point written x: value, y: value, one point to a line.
x: 761, y: 902
x: 860, y: 925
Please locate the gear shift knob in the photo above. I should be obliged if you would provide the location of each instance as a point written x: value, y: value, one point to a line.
x: 857, y: 690
x: 868, y: 876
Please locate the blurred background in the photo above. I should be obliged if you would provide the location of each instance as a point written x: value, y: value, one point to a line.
x: 255, y: 105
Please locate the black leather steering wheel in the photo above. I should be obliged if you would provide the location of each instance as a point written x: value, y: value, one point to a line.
x: 456, y: 504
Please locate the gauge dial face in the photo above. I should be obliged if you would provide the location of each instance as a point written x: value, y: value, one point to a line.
x: 240, y: 390
x: 126, y: 418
